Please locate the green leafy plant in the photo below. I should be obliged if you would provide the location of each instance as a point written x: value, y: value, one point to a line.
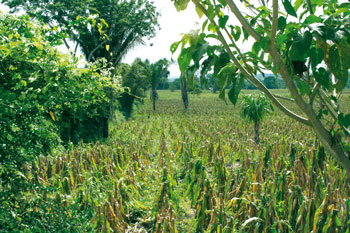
x: 45, y: 98
x: 135, y: 81
x: 158, y: 70
x: 255, y: 109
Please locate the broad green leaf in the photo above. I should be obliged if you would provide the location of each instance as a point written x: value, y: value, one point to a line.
x: 345, y: 53
x: 322, y: 77
x: 245, y: 33
x: 222, y: 94
x: 256, y: 48
x: 226, y: 74
x: 174, y: 46
x: 237, y: 85
x: 312, y: 19
x: 180, y: 4
x: 220, y: 61
x: 300, y: 47
x: 222, y: 2
x: 344, y: 120
x: 282, y: 23
x: 345, y: 5
x: 236, y: 32
x: 297, y: 4
x: 289, y: 8
x: 204, y: 25
x: 338, y: 67
x: 199, y: 12
x: 197, y: 54
x: 184, y: 59
x: 211, y: 12
x: 318, y: 2
x: 212, y: 28
x: 316, y: 56
x: 223, y: 21
x: 264, y: 43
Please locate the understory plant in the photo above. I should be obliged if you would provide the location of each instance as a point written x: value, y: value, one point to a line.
x: 255, y: 109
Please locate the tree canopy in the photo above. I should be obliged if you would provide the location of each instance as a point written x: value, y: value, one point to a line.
x: 158, y: 70
x: 102, y: 28
x: 135, y: 79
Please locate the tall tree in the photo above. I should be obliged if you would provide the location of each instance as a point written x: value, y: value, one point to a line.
x: 158, y: 71
x: 309, y: 49
x: 135, y: 80
x: 102, y: 28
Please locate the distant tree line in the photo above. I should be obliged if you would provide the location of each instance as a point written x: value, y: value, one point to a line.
x: 269, y: 81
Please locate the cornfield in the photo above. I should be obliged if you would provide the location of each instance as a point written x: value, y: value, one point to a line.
x: 194, y: 171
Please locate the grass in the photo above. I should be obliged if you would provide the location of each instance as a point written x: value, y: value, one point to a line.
x: 195, y: 171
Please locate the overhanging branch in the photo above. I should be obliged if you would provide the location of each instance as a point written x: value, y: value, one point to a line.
x: 242, y: 20
x: 252, y: 78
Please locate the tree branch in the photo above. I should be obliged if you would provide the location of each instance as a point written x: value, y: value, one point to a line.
x: 313, y: 94
x: 310, y: 6
x: 284, y: 98
x: 95, y: 49
x: 274, y: 22
x: 242, y: 20
x: 75, y: 49
x: 253, y: 79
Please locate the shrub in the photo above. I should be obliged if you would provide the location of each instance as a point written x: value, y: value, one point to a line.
x: 45, y: 98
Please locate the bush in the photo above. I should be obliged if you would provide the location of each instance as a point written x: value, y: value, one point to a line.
x: 45, y: 99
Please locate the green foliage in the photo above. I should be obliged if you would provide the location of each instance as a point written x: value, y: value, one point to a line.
x: 255, y: 109
x: 158, y: 70
x: 270, y: 82
x: 135, y: 79
x: 102, y: 29
x: 45, y: 98
x: 206, y: 58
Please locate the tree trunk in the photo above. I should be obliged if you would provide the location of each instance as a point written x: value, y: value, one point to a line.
x: 105, y: 127
x: 154, y: 96
x: 215, y: 88
x: 256, y: 129
x: 184, y: 91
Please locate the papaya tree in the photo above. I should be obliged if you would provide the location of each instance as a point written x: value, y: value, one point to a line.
x: 307, y: 43
x: 255, y: 109
x: 158, y: 71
